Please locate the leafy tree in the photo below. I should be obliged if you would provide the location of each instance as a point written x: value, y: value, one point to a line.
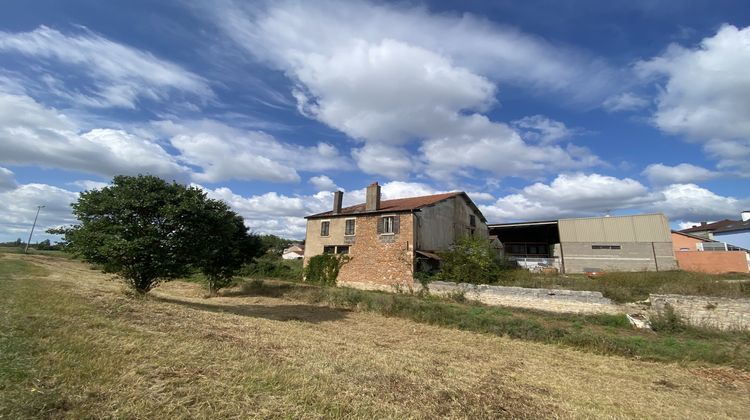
x: 471, y: 260
x: 225, y: 245
x: 273, y: 244
x: 148, y: 231
x: 45, y: 245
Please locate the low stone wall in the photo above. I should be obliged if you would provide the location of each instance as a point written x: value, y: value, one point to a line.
x: 706, y: 311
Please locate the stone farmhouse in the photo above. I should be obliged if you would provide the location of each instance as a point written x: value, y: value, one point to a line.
x: 386, y: 238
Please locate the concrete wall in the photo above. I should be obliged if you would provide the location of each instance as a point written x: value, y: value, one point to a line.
x: 703, y: 311
x: 714, y: 262
x: 380, y: 260
x: 439, y: 225
x: 633, y: 256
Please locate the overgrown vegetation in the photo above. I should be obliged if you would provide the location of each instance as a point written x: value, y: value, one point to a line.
x: 602, y: 333
x: 148, y: 231
x: 471, y: 260
x: 273, y: 266
x: 324, y: 269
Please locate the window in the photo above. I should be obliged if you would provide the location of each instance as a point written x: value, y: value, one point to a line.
x: 342, y: 249
x: 472, y: 220
x: 349, y: 228
x: 324, y: 228
x: 329, y: 249
x: 388, y: 224
x: 606, y: 247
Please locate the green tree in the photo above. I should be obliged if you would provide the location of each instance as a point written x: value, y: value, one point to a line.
x: 471, y: 260
x: 225, y: 245
x: 275, y: 245
x: 147, y: 230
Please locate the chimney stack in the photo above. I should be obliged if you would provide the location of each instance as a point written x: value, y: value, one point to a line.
x: 338, y: 199
x: 373, y: 197
x: 745, y: 215
x: 704, y: 223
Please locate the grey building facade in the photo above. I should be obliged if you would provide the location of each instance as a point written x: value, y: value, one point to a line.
x: 617, y: 243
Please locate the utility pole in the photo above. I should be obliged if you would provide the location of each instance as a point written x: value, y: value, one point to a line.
x: 26, y: 250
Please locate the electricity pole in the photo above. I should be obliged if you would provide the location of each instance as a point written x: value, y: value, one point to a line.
x: 26, y: 251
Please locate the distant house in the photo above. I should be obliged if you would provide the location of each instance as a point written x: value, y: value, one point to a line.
x: 700, y: 254
x: 735, y: 232
x: 385, y: 239
x: 294, y: 252
x: 617, y: 243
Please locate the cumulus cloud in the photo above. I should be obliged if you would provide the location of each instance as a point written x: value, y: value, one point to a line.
x: 18, y: 208
x: 323, y: 183
x: 660, y: 174
x: 390, y: 75
x: 705, y: 92
x: 120, y: 75
x: 569, y: 195
x: 31, y: 134
x: 223, y: 152
x: 7, y: 179
x: 691, y: 202
x: 539, y: 128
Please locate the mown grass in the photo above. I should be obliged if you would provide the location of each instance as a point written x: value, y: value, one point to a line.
x: 636, y: 286
x: 33, y: 251
x: 600, y: 333
x: 72, y: 345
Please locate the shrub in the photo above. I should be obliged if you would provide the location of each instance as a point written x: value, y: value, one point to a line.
x: 323, y: 269
x: 273, y: 266
x: 471, y: 260
x: 667, y: 321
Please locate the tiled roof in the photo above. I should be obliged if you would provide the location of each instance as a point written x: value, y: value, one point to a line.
x: 720, y: 226
x: 401, y: 204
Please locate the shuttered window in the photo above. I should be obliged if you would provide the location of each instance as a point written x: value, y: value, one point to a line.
x: 388, y: 225
x: 350, y: 226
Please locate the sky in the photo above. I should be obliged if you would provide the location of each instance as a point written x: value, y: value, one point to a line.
x: 537, y: 109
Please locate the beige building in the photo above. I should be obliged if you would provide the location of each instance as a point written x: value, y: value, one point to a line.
x: 385, y: 238
x: 618, y: 243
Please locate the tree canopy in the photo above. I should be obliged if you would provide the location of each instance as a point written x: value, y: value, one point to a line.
x: 148, y: 231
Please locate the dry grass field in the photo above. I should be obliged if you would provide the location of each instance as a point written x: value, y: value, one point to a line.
x: 73, y: 344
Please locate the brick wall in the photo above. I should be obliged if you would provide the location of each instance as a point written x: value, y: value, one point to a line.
x: 380, y: 260
x: 714, y: 262
x: 704, y: 311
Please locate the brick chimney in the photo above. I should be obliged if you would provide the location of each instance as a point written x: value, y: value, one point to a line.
x: 338, y: 199
x: 373, y: 197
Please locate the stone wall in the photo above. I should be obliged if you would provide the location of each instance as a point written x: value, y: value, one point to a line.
x: 380, y: 260
x: 705, y: 311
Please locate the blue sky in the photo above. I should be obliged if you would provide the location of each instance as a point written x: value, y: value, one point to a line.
x: 538, y: 109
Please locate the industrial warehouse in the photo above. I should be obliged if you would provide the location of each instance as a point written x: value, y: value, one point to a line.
x: 591, y: 244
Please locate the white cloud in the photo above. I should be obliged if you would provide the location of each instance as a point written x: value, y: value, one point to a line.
x: 224, y: 152
x: 323, y: 183
x: 88, y: 184
x: 31, y: 134
x: 539, y: 128
x: 567, y: 195
x: 705, y: 96
x: 121, y: 75
x: 18, y: 207
x: 691, y: 202
x: 626, y: 101
x: 390, y: 75
x: 7, y: 179
x: 381, y: 159
x: 660, y: 174
x: 498, y: 149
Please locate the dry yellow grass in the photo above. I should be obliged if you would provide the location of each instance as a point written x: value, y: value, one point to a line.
x: 99, y: 353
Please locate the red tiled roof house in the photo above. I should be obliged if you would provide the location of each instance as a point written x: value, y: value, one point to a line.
x: 383, y: 238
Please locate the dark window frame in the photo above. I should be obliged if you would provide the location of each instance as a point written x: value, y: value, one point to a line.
x: 354, y: 227
x: 325, y: 228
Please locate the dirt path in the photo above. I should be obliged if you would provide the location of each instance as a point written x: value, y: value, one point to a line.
x: 405, y: 369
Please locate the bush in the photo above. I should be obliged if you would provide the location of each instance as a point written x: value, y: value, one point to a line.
x: 471, y: 260
x: 273, y: 266
x: 668, y: 321
x: 323, y: 269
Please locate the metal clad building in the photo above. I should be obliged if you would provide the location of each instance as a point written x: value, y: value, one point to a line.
x: 618, y: 243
